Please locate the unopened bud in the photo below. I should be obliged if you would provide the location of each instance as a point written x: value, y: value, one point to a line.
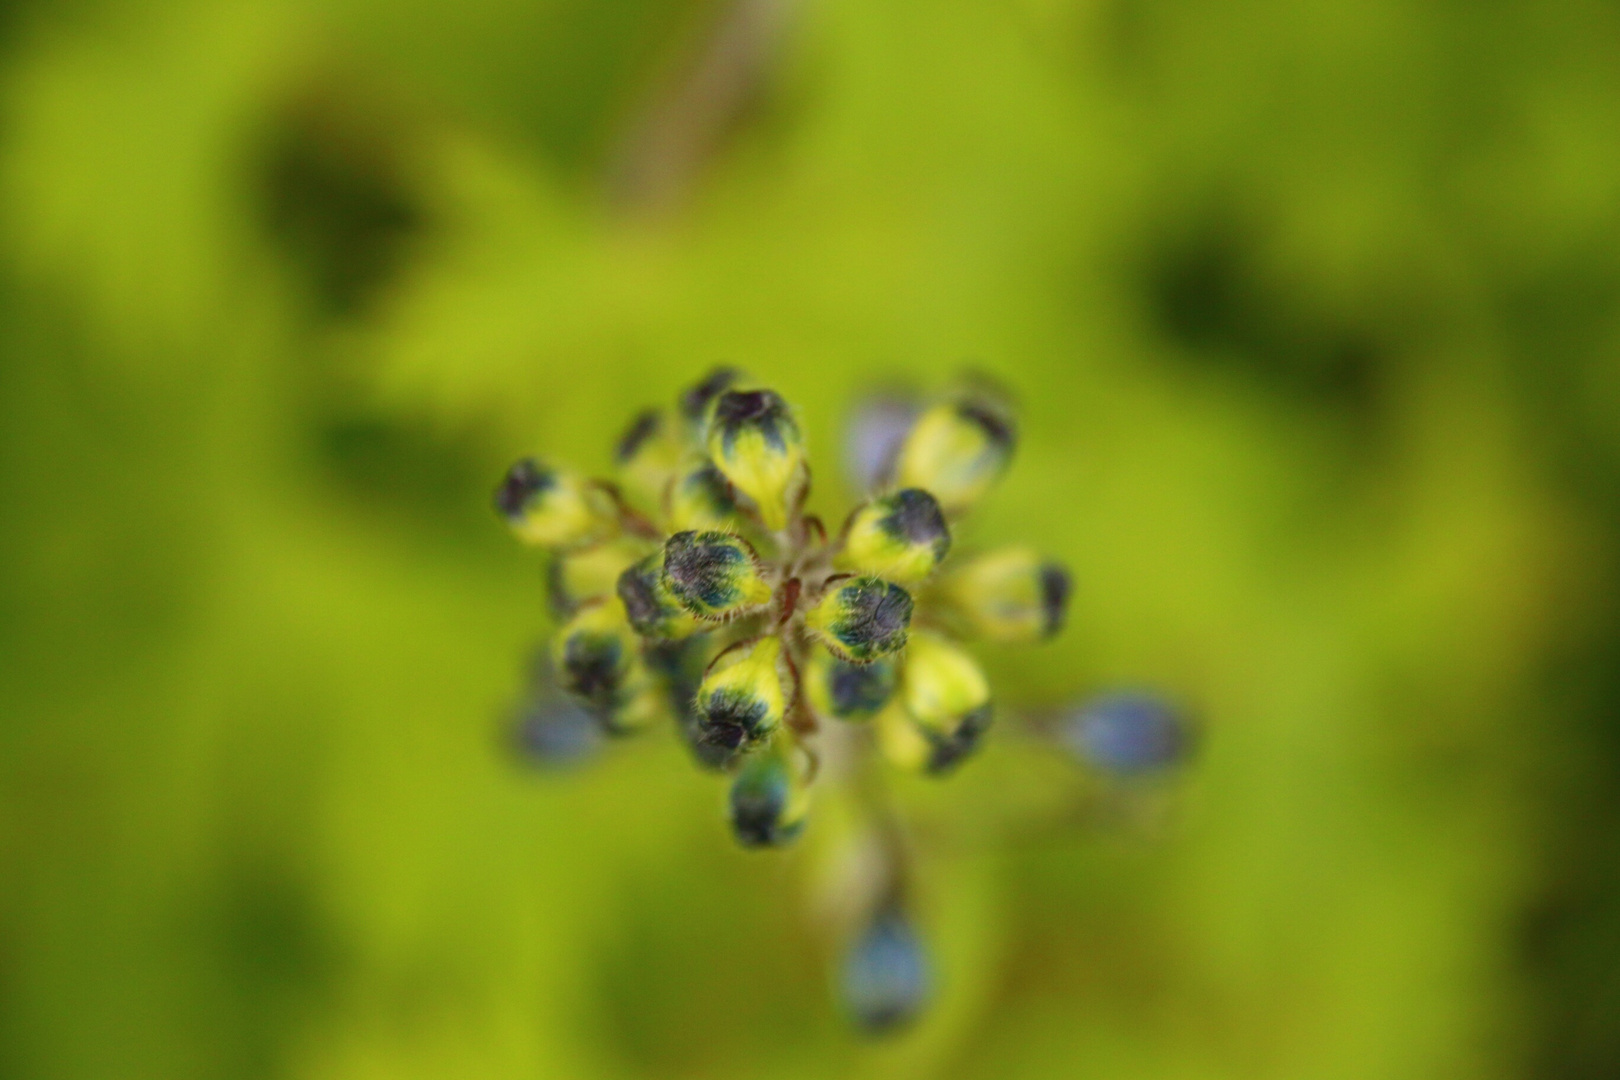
x: 901, y: 536
x: 754, y: 440
x: 652, y: 610
x: 700, y: 498
x: 885, y: 980
x: 845, y: 691
x: 1011, y: 594
x: 714, y: 575
x: 580, y: 576
x: 957, y: 450
x: 647, y: 455
x: 770, y: 797
x: 553, y: 508
x: 742, y: 699
x: 861, y: 619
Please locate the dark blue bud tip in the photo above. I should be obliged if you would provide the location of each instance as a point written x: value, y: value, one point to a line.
x: 1130, y: 733
x: 860, y: 688
x: 997, y: 426
x: 917, y: 519
x: 729, y: 719
x: 876, y: 614
x: 638, y: 590
x: 761, y: 409
x: 592, y: 667
x: 1056, y: 586
x: 946, y: 752
x: 642, y: 428
x: 695, y: 400
x: 885, y: 980
x: 702, y: 565
x: 522, y: 483
x: 758, y: 800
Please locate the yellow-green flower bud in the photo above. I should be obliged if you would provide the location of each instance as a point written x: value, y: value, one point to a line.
x: 553, y: 508
x: 848, y: 691
x: 1010, y: 594
x: 714, y: 575
x: 770, y: 797
x: 754, y: 440
x: 653, y: 611
x: 577, y: 577
x: 957, y: 450
x: 646, y: 457
x: 947, y: 696
x: 901, y: 536
x: 701, y: 498
x: 861, y: 619
x: 743, y: 697
x: 643, y: 703
x: 597, y: 657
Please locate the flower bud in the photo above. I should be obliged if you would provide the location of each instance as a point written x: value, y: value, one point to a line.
x: 947, y: 696
x: 652, y: 610
x: 596, y: 657
x: 578, y: 577
x: 714, y: 575
x: 556, y: 733
x: 770, y: 797
x: 957, y: 450
x: 1010, y: 594
x: 873, y: 435
x: 698, y: 399
x: 701, y: 498
x: 553, y: 508
x: 861, y: 619
x: 646, y: 457
x: 643, y: 703
x: 902, y: 537
x: 1128, y: 733
x: 754, y: 440
x: 885, y: 980
x: 742, y: 699
x: 848, y: 691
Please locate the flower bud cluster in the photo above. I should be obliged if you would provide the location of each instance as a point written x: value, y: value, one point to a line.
x: 694, y: 590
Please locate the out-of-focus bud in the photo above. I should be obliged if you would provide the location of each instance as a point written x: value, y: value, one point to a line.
x: 754, y: 440
x: 643, y: 703
x: 885, y: 981
x: 554, y: 508
x: 947, y: 696
x: 596, y: 656
x: 1129, y: 733
x: 647, y: 455
x: 770, y: 797
x: 701, y: 498
x: 1010, y: 594
x: 714, y: 575
x: 680, y: 665
x: 742, y: 699
x: 556, y: 733
x: 652, y: 610
x: 958, y: 449
x: 697, y: 400
x: 873, y: 436
x: 861, y: 619
x: 848, y: 691
x: 901, y: 536
x: 580, y: 576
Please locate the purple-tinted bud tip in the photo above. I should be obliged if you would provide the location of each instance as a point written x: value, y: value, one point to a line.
x: 1128, y: 733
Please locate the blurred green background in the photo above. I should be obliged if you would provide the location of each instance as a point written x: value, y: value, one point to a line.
x: 1314, y: 310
